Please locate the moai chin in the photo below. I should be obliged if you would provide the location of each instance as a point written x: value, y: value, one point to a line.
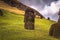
x: 29, y: 19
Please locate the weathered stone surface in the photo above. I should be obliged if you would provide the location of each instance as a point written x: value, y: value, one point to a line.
x: 29, y: 19
x: 55, y: 30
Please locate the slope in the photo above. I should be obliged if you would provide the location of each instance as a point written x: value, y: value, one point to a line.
x: 12, y: 28
x: 9, y: 8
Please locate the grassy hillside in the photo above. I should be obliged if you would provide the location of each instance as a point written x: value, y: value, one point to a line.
x: 9, y: 8
x: 12, y: 28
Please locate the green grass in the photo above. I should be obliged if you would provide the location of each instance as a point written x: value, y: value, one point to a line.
x: 12, y: 28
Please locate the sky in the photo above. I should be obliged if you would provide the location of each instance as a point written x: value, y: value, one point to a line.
x: 48, y: 8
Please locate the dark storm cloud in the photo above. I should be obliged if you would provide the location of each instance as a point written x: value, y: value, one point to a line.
x: 48, y: 1
x: 47, y: 8
x: 36, y: 2
x: 39, y: 4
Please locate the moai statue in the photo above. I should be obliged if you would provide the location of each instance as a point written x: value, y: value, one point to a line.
x: 55, y: 28
x: 29, y: 19
x: 1, y: 13
x: 48, y: 18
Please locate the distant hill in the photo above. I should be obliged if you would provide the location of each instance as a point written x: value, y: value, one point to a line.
x: 20, y: 6
x: 9, y: 8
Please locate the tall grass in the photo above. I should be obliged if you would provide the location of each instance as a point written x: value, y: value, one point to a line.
x: 12, y: 28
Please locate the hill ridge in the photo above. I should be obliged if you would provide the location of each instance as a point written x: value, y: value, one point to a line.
x: 19, y: 5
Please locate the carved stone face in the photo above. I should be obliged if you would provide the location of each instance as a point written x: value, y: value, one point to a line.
x: 31, y: 13
x: 29, y: 19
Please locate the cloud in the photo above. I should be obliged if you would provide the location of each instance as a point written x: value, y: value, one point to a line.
x: 52, y: 10
x: 48, y: 8
x: 39, y: 4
